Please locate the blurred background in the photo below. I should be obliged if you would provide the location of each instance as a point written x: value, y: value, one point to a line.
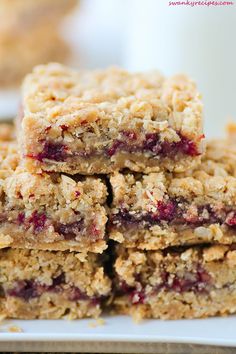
x: 135, y: 34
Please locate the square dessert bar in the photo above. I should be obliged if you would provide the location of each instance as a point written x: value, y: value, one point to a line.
x: 100, y: 121
x: 158, y: 210
x: 176, y: 283
x: 48, y: 211
x: 51, y: 285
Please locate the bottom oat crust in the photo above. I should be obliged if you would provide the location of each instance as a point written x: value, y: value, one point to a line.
x: 176, y: 283
x: 51, y: 285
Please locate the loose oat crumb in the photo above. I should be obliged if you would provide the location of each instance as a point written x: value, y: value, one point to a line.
x: 15, y: 329
x: 97, y: 323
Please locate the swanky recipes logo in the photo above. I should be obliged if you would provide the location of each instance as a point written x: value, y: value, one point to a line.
x: 201, y: 3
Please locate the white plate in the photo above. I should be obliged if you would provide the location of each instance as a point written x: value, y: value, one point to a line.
x: 119, y: 333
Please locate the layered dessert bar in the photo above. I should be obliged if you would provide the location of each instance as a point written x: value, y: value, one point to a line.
x: 100, y: 121
x: 158, y: 210
x: 51, y: 285
x: 49, y: 211
x: 176, y: 283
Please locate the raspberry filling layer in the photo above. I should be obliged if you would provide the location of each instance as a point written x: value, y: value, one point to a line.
x: 39, y: 222
x: 29, y: 289
x: 174, y: 213
x: 128, y: 142
x: 153, y: 145
x: 198, y: 281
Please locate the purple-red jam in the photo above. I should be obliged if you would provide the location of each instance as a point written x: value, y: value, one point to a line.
x: 198, y: 282
x: 71, y: 230
x: 52, y: 151
x: 29, y: 289
x: 175, y: 213
x: 38, y: 221
x: 128, y: 142
x: 153, y: 145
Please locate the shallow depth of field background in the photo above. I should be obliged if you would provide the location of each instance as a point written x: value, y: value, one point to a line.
x: 150, y: 34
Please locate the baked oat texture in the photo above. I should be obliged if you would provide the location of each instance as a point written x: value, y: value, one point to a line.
x: 51, y: 285
x: 48, y: 211
x: 100, y: 121
x: 173, y: 284
x: 158, y: 210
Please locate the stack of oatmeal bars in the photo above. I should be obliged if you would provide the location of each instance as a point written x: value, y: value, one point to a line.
x: 110, y: 193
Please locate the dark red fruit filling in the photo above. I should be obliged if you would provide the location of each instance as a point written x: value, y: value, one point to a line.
x: 52, y: 151
x: 29, y: 289
x: 128, y: 142
x: 166, y: 210
x: 175, y: 213
x: 136, y: 296
x: 38, y: 221
x: 117, y: 145
x: 21, y: 218
x: 231, y: 219
x: 76, y: 294
x: 24, y: 289
x: 70, y: 231
x: 153, y: 145
x: 198, y: 282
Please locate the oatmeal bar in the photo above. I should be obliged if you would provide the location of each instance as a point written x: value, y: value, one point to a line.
x: 158, y: 210
x: 49, y: 211
x: 176, y: 283
x: 19, y: 54
x: 51, y: 285
x: 100, y: 121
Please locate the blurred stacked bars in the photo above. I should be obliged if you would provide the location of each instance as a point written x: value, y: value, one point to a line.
x: 30, y: 35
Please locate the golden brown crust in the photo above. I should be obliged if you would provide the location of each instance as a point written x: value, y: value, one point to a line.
x: 88, y: 112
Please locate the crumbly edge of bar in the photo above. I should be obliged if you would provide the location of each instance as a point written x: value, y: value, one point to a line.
x: 176, y: 283
x: 84, y: 271
x: 130, y: 262
x: 11, y: 237
x: 157, y: 237
x: 48, y: 306
x: 172, y: 306
x: 104, y: 165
